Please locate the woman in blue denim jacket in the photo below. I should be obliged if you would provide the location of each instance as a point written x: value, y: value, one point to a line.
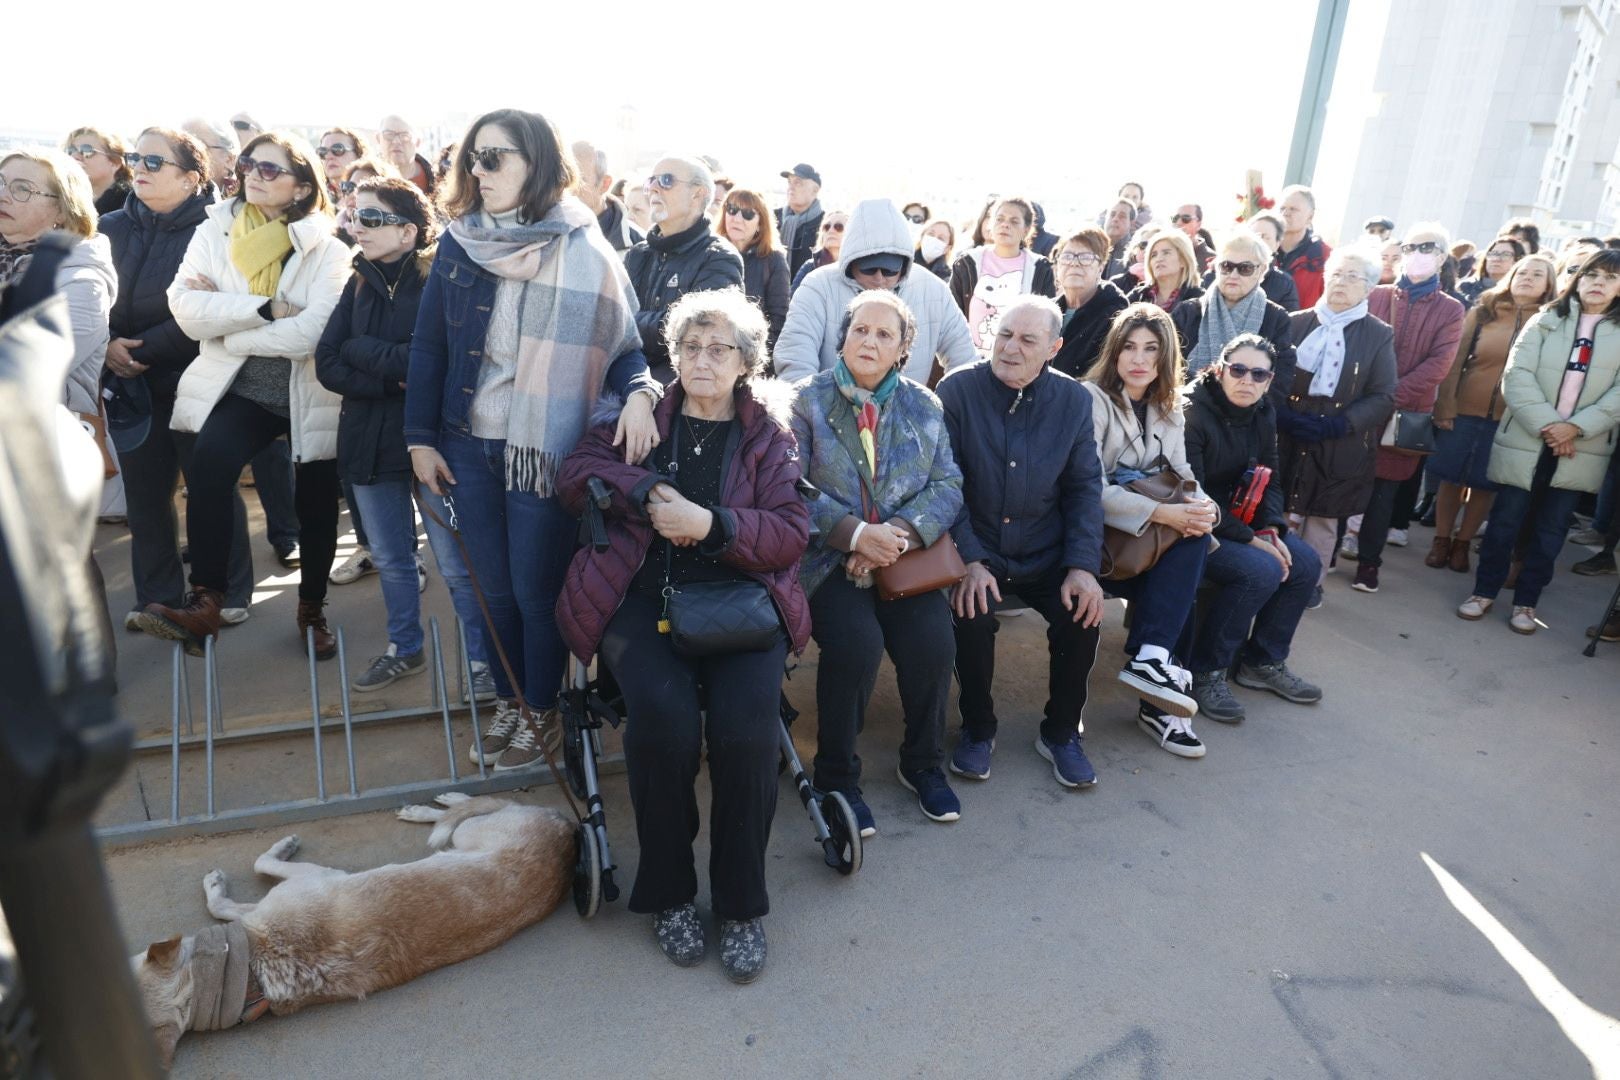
x: 873, y: 445
x: 526, y: 319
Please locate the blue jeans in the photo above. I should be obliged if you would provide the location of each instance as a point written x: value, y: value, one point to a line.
x: 1547, y: 532
x: 453, y: 572
x: 388, y: 507
x: 1253, y: 590
x: 1162, y: 598
x: 520, y: 545
x: 1603, y: 518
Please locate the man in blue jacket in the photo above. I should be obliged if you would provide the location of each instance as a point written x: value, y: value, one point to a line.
x: 1031, y: 527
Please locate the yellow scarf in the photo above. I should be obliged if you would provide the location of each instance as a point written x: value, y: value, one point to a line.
x: 259, y: 248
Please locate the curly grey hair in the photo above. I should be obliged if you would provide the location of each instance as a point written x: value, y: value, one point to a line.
x: 720, y: 307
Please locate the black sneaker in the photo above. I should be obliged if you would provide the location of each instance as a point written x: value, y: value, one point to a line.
x: 742, y: 949
x: 288, y: 556
x: 1160, y: 682
x: 680, y: 935
x: 1316, y: 599
x: 933, y: 791
x: 1173, y: 732
x: 1597, y: 565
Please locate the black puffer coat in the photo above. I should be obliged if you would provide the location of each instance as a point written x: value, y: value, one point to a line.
x: 364, y: 355
x: 664, y: 268
x: 1085, y: 329
x: 147, y: 249
x: 1223, y: 442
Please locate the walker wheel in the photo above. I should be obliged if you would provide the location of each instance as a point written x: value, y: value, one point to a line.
x: 587, y: 872
x: 841, y: 850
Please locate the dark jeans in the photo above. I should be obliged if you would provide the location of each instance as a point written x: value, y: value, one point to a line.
x: 1406, y: 499
x: 273, y: 480
x: 1071, y: 650
x: 1547, y: 523
x: 1253, y: 591
x: 1377, y: 520
x: 150, y: 473
x: 1162, y: 598
x: 520, y: 546
x: 675, y: 705
x: 1604, y: 519
x: 234, y: 432
x: 854, y: 628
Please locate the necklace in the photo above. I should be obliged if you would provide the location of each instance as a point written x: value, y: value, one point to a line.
x: 697, y: 450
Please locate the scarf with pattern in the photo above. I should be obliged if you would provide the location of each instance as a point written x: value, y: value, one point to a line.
x: 868, y: 408
x: 1322, y: 351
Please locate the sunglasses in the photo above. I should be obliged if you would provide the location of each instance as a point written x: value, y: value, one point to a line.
x: 665, y: 181
x: 372, y: 218
x: 1241, y: 269
x: 916, y: 219
x: 879, y: 272
x: 832, y: 226
x: 336, y: 149
x: 241, y: 125
x: 1182, y: 219
x: 733, y: 210
x: 1428, y: 247
x: 84, y: 150
x: 1258, y: 375
x: 268, y: 170
x: 489, y: 158
x: 346, y: 187
x: 150, y: 162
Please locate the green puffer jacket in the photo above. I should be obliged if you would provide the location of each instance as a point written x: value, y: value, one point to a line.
x: 1530, y: 388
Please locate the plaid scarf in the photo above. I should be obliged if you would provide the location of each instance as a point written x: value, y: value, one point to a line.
x: 576, y: 315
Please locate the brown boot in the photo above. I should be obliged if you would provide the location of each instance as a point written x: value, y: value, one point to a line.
x: 311, y: 615
x: 1459, y: 556
x: 191, y: 624
x: 1439, y: 552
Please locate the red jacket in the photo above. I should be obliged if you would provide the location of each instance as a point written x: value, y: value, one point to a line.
x: 1426, y: 336
x: 766, y: 523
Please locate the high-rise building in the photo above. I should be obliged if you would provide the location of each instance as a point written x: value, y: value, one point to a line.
x: 1492, y: 109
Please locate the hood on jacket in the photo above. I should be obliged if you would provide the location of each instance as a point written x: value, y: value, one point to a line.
x: 876, y: 227
x: 90, y: 258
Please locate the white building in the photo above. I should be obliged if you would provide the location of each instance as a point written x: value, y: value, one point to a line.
x: 1493, y: 109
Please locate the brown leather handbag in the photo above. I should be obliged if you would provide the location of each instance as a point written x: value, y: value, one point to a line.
x: 1126, y: 555
x: 922, y: 570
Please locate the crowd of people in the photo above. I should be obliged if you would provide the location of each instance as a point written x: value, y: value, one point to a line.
x: 797, y: 412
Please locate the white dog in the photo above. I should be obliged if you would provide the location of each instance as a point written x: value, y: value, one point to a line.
x: 327, y: 935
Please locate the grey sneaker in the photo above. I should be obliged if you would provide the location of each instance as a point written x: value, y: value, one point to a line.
x: 386, y: 668
x: 1588, y: 537
x: 528, y: 739
x: 496, y: 735
x: 1280, y: 681
x: 680, y: 935
x: 483, y: 685
x: 742, y: 949
x: 1215, y: 698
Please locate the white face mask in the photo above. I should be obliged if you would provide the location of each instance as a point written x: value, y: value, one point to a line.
x: 932, y: 247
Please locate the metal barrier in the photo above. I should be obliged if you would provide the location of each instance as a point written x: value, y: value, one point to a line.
x: 353, y: 801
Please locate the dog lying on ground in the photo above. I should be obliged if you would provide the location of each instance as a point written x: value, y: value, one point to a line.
x: 324, y: 935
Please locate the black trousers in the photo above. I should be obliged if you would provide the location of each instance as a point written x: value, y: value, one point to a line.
x: 234, y: 432
x: 1071, y: 650
x: 854, y: 628
x: 675, y: 704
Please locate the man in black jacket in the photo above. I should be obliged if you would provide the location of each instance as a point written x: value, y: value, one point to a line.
x: 680, y: 255
x: 799, y: 222
x: 593, y: 190
x: 1031, y: 527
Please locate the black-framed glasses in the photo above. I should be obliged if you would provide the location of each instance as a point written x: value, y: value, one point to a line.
x: 1505, y: 253
x: 489, y: 158
x: 878, y: 271
x: 22, y: 191
x: 916, y: 219
x: 832, y: 226
x: 268, y: 170
x: 664, y: 181
x: 1427, y: 247
x: 150, y: 162
x: 84, y: 150
x: 1258, y: 375
x: 744, y: 212
x: 1084, y: 258
x: 373, y: 218
x: 336, y: 149
x: 1241, y: 269
x: 716, y: 351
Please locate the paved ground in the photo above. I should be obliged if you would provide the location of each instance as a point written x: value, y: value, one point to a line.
x: 1263, y: 912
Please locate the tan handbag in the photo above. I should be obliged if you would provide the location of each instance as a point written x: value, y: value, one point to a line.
x: 922, y: 570
x: 96, y: 425
x: 1126, y: 555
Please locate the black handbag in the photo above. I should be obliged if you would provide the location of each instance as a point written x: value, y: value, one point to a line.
x: 1409, y: 432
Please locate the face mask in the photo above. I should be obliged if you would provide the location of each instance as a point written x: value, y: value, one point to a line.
x: 1138, y: 270
x: 1420, y: 267
x: 932, y: 247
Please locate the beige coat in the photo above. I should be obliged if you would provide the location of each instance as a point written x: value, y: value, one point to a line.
x: 1121, y: 444
x: 228, y: 325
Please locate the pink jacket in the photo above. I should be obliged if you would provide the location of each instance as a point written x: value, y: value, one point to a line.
x: 1426, y: 337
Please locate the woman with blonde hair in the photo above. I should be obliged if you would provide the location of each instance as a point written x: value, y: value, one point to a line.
x: 101, y: 154
x: 936, y: 243
x: 746, y: 222
x: 1171, y: 274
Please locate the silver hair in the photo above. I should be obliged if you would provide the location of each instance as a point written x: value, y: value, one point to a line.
x: 1361, y: 257
x: 890, y: 300
x: 1044, y: 304
x: 701, y: 176
x: 223, y: 134
x: 1435, y: 228
x: 1302, y: 191
x: 712, y: 307
x: 1262, y: 252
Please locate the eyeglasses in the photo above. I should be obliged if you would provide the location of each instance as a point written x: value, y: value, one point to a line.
x: 1241, y: 269
x: 1507, y: 253
x: 393, y: 136
x: 241, y: 125
x: 372, y: 218
x: 832, y: 226
x: 664, y: 181
x: 1181, y: 219
x: 1258, y: 375
x: 1348, y: 277
x: 150, y: 162
x: 1427, y: 247
x: 336, y: 149
x: 1085, y: 258
x: 715, y: 351
x: 21, y: 190
x: 84, y: 150
x: 489, y: 158
x: 268, y: 170
x: 916, y: 219
x: 733, y: 210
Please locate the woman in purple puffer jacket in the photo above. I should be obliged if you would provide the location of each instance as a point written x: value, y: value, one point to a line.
x: 717, y: 501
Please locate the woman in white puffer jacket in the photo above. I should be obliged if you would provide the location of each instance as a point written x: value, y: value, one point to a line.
x: 259, y: 280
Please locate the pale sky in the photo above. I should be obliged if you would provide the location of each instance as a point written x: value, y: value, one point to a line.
x: 1062, y: 101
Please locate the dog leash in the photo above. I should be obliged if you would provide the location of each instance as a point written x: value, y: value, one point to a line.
x: 527, y: 714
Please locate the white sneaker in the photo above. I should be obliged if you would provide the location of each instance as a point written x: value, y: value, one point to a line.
x: 1474, y: 607
x: 1397, y: 538
x: 233, y: 616
x: 1523, y: 620
x: 353, y: 568
x: 421, y: 575
x: 1350, y: 548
